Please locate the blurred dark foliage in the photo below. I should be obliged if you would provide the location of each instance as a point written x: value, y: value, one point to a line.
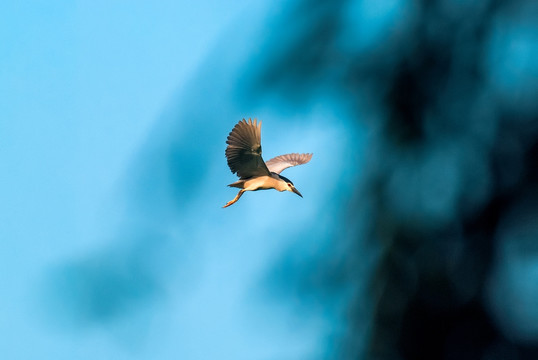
x: 450, y: 159
x: 110, y: 285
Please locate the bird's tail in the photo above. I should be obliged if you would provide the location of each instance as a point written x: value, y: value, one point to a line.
x: 238, y: 184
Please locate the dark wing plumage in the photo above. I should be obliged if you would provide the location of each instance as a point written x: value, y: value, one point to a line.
x: 282, y: 162
x: 244, y: 151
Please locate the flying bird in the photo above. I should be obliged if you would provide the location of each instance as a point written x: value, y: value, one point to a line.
x: 244, y: 155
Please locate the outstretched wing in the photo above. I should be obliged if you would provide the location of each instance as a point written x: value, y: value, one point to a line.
x: 282, y: 162
x: 244, y: 151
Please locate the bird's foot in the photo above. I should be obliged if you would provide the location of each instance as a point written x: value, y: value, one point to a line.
x: 231, y: 202
x: 234, y: 199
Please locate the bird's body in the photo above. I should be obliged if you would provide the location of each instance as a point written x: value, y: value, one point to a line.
x: 261, y: 183
x: 244, y: 155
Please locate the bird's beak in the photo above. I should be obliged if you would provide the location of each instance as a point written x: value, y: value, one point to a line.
x: 296, y: 191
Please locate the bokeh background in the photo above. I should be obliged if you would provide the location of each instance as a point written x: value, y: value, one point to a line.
x: 417, y: 237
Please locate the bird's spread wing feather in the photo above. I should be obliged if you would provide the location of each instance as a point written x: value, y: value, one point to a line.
x: 282, y: 162
x: 244, y: 151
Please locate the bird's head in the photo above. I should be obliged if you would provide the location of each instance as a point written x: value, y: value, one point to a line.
x: 289, y: 185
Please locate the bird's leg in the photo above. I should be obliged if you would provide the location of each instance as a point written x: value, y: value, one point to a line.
x: 234, y: 199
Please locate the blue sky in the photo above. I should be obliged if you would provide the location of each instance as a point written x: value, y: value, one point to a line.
x: 83, y: 86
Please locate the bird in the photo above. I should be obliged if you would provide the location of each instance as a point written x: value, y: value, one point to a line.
x: 244, y: 156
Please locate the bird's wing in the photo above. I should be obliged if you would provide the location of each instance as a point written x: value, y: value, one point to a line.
x: 244, y: 151
x: 282, y: 162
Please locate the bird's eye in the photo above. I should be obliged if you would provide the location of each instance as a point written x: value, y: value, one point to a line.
x: 289, y: 184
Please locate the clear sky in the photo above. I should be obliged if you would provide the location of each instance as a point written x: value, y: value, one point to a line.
x: 83, y: 85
